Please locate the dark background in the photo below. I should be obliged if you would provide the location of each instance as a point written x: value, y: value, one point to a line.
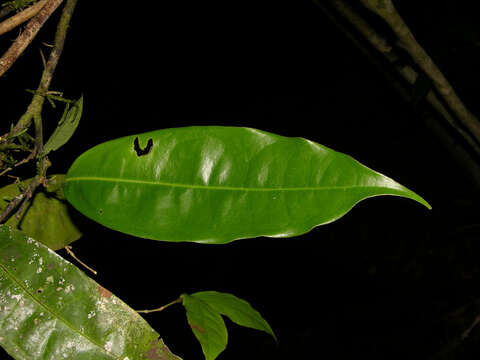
x: 384, y: 281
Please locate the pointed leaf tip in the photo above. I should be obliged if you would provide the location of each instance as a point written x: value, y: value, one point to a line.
x: 236, y: 309
x: 204, y: 314
x: 226, y: 183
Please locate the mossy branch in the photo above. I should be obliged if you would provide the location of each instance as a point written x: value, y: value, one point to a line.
x: 34, y: 111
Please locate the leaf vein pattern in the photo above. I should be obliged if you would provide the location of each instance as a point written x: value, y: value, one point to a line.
x: 46, y: 308
x: 218, y: 187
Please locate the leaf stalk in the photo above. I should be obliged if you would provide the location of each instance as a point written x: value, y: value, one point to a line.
x: 161, y: 308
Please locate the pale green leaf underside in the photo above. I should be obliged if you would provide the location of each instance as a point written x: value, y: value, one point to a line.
x: 51, y: 310
x: 216, y: 184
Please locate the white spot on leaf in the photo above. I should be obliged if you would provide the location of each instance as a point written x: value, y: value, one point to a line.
x: 108, y: 346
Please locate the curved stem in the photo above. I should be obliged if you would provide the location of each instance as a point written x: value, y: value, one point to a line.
x: 380, y: 43
x: 21, y: 17
x: 161, y: 308
x: 28, y: 34
x: 34, y: 110
x: 38, y: 99
x: 70, y: 252
x: 387, y: 12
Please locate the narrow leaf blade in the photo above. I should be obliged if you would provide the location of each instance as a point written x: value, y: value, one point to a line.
x: 207, y: 325
x: 52, y: 310
x: 216, y: 184
x: 236, y: 309
x: 66, y: 127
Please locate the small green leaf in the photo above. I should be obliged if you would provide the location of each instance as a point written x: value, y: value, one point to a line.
x: 236, y: 309
x: 66, y: 127
x: 46, y: 218
x: 204, y: 310
x: 207, y: 325
x: 52, y: 310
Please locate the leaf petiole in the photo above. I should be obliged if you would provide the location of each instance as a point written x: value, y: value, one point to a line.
x: 70, y: 252
x: 161, y: 308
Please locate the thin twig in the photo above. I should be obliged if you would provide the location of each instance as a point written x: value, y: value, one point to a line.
x: 161, y: 308
x: 20, y: 198
x: 58, y: 45
x: 34, y: 110
x: 38, y: 99
x: 388, y: 51
x: 28, y: 34
x: 387, y: 12
x: 467, y: 332
x: 72, y: 254
x: 25, y: 160
x: 4, y: 171
x: 21, y: 17
x: 461, y: 155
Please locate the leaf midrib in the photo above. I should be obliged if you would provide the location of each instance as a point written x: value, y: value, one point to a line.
x: 217, y: 187
x: 46, y: 308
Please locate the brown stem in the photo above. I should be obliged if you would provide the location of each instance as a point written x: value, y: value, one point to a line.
x: 36, y: 105
x: 161, y: 308
x: 21, y: 17
x: 35, y: 108
x: 387, y: 12
x: 388, y: 51
x: 59, y: 43
x: 72, y: 254
x: 28, y: 34
x: 22, y: 197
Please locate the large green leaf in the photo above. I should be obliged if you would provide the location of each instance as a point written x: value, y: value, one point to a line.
x: 51, y: 310
x: 46, y: 219
x: 216, y: 184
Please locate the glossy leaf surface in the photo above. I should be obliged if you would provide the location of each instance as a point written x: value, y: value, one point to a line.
x: 52, y: 310
x: 216, y: 184
x: 46, y: 218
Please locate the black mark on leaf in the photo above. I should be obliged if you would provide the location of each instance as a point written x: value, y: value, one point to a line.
x: 140, y: 151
